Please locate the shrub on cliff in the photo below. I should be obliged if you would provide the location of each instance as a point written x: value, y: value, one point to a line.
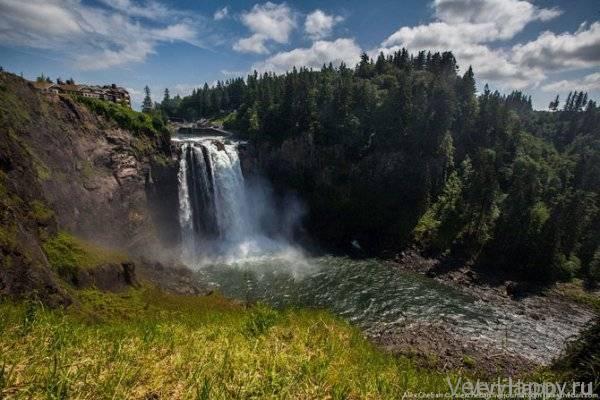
x: 126, y: 118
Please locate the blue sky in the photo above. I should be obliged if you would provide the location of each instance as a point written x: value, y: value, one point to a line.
x: 543, y: 47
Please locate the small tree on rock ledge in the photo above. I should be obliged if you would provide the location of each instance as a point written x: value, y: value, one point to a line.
x: 147, y: 105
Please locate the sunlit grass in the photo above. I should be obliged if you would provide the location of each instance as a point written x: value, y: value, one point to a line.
x: 145, y: 343
x: 67, y: 254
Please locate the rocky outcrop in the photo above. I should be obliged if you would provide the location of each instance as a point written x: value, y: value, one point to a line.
x: 108, y: 277
x: 95, y: 175
x: 176, y: 279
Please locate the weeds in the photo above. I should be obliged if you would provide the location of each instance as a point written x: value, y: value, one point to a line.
x: 261, y: 318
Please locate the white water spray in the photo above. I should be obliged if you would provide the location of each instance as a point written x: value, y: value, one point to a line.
x: 225, y: 220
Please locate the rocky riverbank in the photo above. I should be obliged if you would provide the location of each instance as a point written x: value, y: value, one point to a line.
x: 442, y: 346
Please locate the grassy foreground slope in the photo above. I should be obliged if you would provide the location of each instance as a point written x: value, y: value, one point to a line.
x: 148, y: 344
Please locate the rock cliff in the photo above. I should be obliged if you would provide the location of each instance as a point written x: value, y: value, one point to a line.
x: 64, y: 167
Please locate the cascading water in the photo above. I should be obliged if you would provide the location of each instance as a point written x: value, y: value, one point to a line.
x: 219, y: 215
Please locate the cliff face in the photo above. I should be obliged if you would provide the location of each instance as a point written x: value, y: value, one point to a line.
x: 64, y: 167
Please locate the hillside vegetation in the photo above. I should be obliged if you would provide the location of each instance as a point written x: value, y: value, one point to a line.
x: 402, y: 151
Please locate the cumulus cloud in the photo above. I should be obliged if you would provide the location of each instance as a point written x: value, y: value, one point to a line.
x: 563, y: 51
x: 94, y: 37
x: 319, y: 25
x: 267, y: 22
x: 468, y: 27
x: 588, y: 83
x: 504, y: 18
x: 221, y: 14
x: 321, y: 52
x: 252, y: 44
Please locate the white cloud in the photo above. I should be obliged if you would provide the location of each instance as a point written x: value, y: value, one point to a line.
x: 588, y: 83
x: 252, y: 44
x: 221, y: 13
x: 130, y: 53
x: 179, y: 31
x: 267, y: 21
x: 33, y: 23
x: 489, y: 64
x: 150, y: 9
x: 321, y: 52
x: 319, y: 25
x: 467, y: 27
x: 94, y: 37
x: 504, y: 18
x: 563, y: 51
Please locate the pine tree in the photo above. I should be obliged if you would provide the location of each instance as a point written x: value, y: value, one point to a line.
x: 147, y: 104
x: 553, y: 106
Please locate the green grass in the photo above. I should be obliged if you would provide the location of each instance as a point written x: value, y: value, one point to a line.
x: 67, y: 254
x: 576, y: 292
x: 125, y: 117
x: 146, y: 343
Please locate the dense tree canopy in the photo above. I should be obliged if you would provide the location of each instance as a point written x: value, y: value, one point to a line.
x: 428, y: 161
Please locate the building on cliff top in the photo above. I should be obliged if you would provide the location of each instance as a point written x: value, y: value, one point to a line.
x: 113, y: 93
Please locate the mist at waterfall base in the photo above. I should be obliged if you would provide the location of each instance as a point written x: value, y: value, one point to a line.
x: 228, y: 220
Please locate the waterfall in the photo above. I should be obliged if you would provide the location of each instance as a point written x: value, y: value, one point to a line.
x: 214, y: 214
x: 185, y: 208
x: 229, y: 192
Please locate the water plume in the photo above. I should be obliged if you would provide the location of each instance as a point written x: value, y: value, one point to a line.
x: 225, y: 219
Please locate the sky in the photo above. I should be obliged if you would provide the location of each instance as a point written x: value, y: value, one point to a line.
x: 543, y: 47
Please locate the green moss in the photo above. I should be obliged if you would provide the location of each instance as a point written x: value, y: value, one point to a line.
x: 469, y: 361
x: 13, y: 111
x: 148, y: 344
x: 3, y: 189
x: 67, y: 254
x: 42, y: 172
x: 8, y: 236
x: 7, y: 261
x: 87, y: 169
x: 40, y: 212
x: 142, y: 146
